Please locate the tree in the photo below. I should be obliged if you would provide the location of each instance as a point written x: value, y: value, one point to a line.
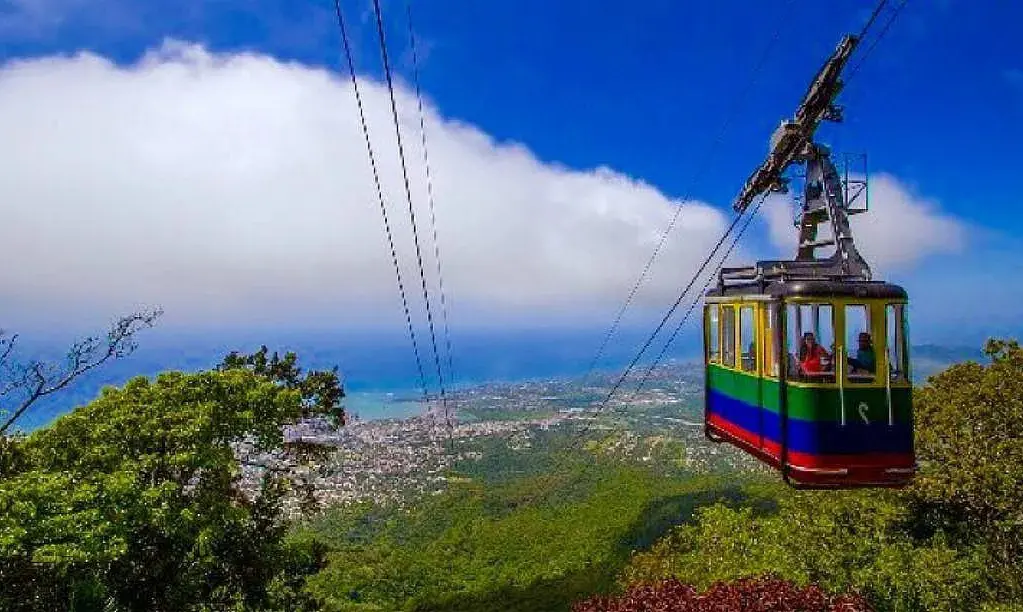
x: 25, y: 383
x: 321, y: 394
x: 840, y: 541
x: 321, y: 390
x: 951, y: 541
x: 132, y: 503
x: 970, y: 446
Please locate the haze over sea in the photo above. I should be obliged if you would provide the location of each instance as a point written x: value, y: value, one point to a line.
x: 379, y: 370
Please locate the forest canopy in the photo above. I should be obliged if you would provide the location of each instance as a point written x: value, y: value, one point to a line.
x: 131, y: 503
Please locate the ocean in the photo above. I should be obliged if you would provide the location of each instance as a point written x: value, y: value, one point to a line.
x: 379, y: 371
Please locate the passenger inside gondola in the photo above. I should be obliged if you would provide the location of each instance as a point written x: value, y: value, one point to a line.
x: 813, y: 359
x: 865, y: 360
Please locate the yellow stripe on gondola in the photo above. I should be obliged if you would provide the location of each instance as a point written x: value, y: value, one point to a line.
x: 765, y: 340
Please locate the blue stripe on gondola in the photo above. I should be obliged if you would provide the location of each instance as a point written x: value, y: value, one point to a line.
x: 815, y: 437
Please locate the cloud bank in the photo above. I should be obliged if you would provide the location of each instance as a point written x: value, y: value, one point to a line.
x: 901, y: 230
x: 235, y: 189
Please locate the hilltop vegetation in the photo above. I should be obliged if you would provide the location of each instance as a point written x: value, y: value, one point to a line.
x: 749, y: 594
x: 952, y: 541
x: 537, y: 543
x: 130, y: 503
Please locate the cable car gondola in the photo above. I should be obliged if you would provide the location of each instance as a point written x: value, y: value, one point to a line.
x: 807, y: 362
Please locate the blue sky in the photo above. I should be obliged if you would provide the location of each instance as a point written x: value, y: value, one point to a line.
x: 643, y: 90
x: 589, y: 83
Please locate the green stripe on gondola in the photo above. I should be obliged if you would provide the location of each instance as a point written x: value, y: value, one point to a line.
x: 813, y: 403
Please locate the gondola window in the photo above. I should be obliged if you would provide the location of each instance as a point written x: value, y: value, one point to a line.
x: 812, y: 342
x: 713, y: 334
x: 898, y: 361
x: 860, y: 352
x: 747, y: 339
x: 728, y: 336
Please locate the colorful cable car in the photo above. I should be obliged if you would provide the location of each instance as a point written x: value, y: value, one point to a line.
x: 807, y: 360
x: 812, y: 377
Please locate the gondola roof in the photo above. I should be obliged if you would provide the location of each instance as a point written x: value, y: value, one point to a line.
x: 813, y: 288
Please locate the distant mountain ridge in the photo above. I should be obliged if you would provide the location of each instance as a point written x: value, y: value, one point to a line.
x: 949, y: 354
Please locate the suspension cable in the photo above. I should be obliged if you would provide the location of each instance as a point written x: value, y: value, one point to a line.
x: 756, y: 208
x: 884, y: 30
x: 671, y: 310
x: 870, y: 21
x: 730, y: 115
x: 380, y: 194
x: 585, y: 429
x: 866, y: 27
x: 408, y: 195
x: 429, y: 193
x: 696, y: 300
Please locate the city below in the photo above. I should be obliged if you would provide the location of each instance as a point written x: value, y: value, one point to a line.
x: 395, y: 460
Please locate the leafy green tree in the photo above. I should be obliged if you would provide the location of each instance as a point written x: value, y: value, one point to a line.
x: 952, y: 541
x: 321, y: 394
x: 970, y: 446
x: 536, y: 543
x: 321, y: 390
x: 131, y: 502
x: 842, y: 541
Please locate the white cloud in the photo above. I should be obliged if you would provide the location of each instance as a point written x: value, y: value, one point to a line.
x: 901, y: 230
x: 233, y: 188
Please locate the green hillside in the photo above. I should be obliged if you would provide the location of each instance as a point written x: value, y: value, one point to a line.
x: 131, y: 503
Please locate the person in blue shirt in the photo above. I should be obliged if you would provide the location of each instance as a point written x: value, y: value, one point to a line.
x: 865, y: 360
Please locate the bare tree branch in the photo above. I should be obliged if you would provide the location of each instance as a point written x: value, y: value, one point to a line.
x: 43, y: 379
x: 6, y: 346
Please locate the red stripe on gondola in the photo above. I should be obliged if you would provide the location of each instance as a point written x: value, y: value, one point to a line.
x: 771, y: 451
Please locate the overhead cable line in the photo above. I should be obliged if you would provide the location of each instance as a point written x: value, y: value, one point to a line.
x: 671, y: 311
x: 380, y: 194
x: 696, y: 300
x: 756, y: 208
x: 884, y: 30
x: 408, y: 195
x: 870, y: 21
x: 730, y: 115
x: 429, y: 193
x: 660, y: 326
x: 866, y: 27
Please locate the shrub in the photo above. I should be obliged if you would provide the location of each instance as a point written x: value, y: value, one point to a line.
x: 766, y: 594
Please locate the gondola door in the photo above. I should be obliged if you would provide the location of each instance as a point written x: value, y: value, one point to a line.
x: 748, y: 364
x: 770, y: 380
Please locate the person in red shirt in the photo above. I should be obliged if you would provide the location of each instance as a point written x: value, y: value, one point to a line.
x: 812, y: 356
